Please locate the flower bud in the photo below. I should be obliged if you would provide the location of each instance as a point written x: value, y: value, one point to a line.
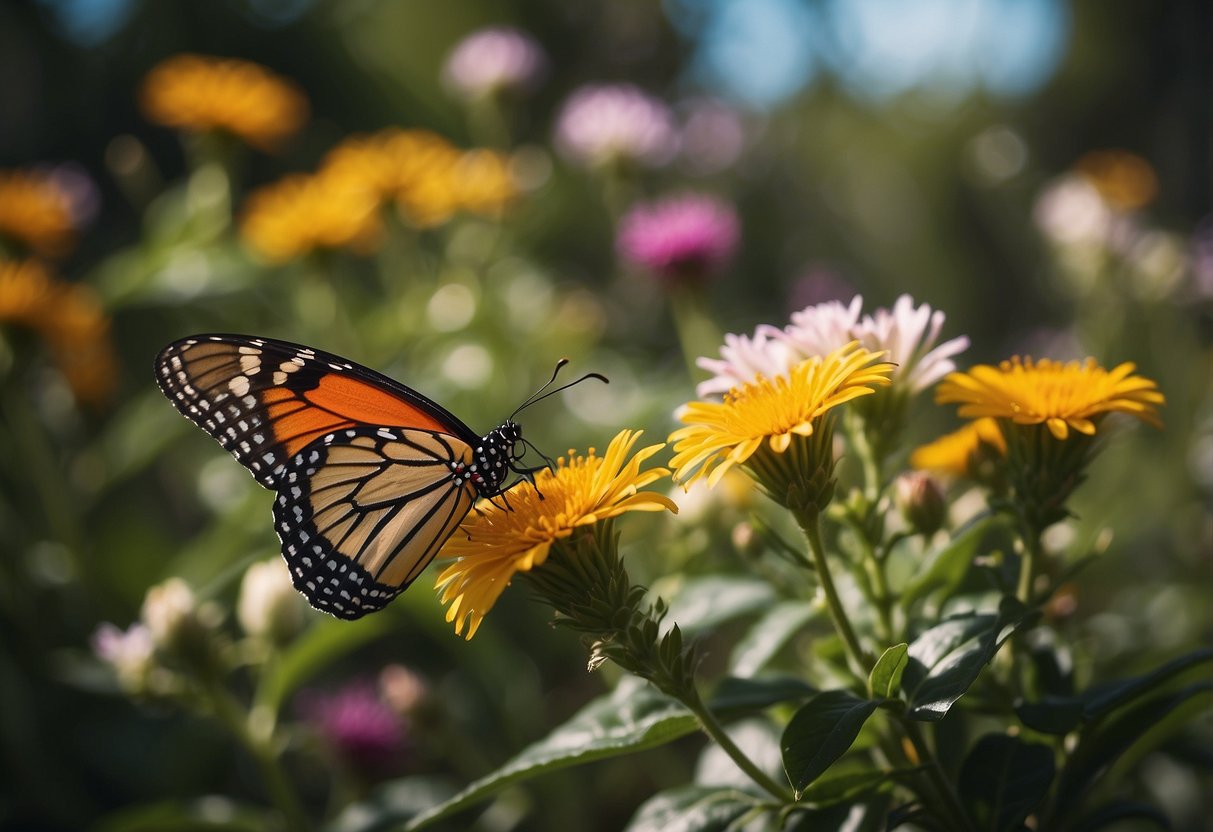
x: 921, y: 502
x: 129, y: 652
x: 168, y: 611
x: 269, y: 606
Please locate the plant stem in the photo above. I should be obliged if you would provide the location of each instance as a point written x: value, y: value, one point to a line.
x: 955, y: 812
x: 707, y: 721
x: 1028, y: 565
x: 277, y: 785
x: 859, y: 660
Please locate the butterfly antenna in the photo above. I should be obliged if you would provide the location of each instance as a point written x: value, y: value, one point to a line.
x: 539, y: 395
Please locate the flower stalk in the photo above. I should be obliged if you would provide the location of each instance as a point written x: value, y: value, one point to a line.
x: 858, y: 659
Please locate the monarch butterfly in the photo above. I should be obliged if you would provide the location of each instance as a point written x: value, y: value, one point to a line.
x: 371, y: 477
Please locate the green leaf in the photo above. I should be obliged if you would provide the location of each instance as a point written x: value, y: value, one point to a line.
x: 704, y: 603
x: 821, y: 732
x: 945, y: 567
x: 632, y: 718
x: 769, y: 634
x: 691, y: 809
x: 1003, y: 779
x: 1101, y: 743
x: 885, y: 679
x: 946, y: 660
x: 1060, y: 715
x: 733, y: 694
x: 847, y: 787
x: 326, y: 640
x: 1052, y: 714
x: 1100, y: 699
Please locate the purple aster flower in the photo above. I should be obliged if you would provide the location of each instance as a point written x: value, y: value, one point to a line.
x: 679, y: 238
x: 494, y: 60
x: 601, y: 123
x: 357, y: 725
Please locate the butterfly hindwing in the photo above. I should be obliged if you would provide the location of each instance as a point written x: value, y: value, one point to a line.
x: 265, y: 400
x: 361, y: 511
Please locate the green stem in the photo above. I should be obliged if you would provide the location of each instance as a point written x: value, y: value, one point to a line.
x: 951, y: 804
x: 277, y: 785
x: 1028, y: 565
x: 859, y: 660
x: 707, y: 721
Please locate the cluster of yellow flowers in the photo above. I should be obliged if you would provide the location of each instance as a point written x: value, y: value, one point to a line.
x: 69, y: 318
x: 427, y: 178
x: 199, y: 93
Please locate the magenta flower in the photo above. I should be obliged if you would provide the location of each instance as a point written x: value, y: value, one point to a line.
x: 604, y: 123
x: 494, y: 60
x: 679, y: 238
x: 359, y: 726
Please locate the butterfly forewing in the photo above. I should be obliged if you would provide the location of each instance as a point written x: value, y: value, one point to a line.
x: 265, y: 400
x: 362, y: 511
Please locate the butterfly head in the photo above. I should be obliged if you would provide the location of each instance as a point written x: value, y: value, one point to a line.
x: 497, y: 455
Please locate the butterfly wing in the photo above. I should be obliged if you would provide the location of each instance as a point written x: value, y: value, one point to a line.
x: 265, y: 400
x: 362, y: 511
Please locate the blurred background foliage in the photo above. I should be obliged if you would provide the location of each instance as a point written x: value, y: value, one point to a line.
x: 868, y: 147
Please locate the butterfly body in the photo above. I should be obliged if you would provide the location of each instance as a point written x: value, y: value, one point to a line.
x: 371, y: 476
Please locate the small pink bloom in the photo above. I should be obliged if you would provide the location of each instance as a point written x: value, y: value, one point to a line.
x: 357, y: 725
x: 602, y: 123
x: 680, y: 238
x: 495, y: 59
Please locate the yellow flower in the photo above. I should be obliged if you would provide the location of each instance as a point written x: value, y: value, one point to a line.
x: 1062, y: 396
x: 301, y: 213
x: 954, y: 453
x: 36, y: 212
x: 69, y: 317
x: 1124, y: 180
x: 198, y: 93
x: 390, y: 162
x: 720, y: 435
x: 483, y: 182
x: 495, y: 542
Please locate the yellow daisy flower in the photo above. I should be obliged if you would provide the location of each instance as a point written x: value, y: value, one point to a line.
x: 301, y: 213
x: 36, y: 212
x: 954, y: 453
x: 198, y: 93
x: 1066, y: 396
x: 495, y: 542
x: 390, y: 162
x: 720, y: 435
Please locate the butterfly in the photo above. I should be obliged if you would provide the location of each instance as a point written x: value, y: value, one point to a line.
x: 371, y: 477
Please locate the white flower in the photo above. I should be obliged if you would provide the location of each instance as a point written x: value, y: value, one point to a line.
x: 269, y: 606
x: 742, y: 358
x: 499, y: 58
x: 823, y: 328
x: 167, y: 609
x: 603, y: 123
x: 129, y: 652
x: 909, y: 335
x: 1070, y: 211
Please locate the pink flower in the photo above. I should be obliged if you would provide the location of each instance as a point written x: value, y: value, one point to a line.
x: 680, y: 238
x: 357, y: 725
x: 604, y: 123
x: 493, y: 60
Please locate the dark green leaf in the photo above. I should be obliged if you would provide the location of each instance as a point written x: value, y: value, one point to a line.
x: 768, y: 634
x: 885, y: 679
x: 945, y: 567
x: 704, y: 603
x: 1101, y: 699
x: 1003, y: 779
x: 733, y: 694
x: 946, y: 660
x: 1110, y: 813
x: 821, y: 732
x: 632, y: 718
x: 691, y: 809
x: 1102, y: 742
x: 830, y: 789
x: 1051, y: 715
